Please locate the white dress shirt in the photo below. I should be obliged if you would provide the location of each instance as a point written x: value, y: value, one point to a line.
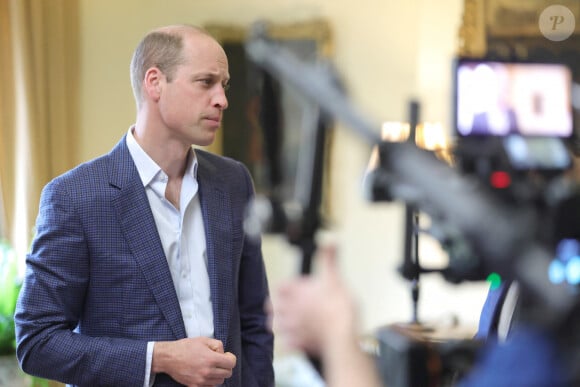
x: 183, y: 238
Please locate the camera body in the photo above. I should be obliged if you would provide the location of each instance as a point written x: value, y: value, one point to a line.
x: 414, y: 355
x: 512, y: 121
x: 513, y: 117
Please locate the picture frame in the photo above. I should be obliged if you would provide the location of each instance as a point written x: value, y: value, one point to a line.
x: 511, y: 28
x: 242, y: 134
x: 505, y: 18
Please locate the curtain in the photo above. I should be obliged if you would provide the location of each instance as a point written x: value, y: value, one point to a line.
x: 39, y: 74
x: 6, y: 117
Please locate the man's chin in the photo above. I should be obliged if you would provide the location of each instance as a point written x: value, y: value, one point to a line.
x: 206, y: 141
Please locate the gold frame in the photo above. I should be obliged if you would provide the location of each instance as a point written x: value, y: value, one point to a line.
x: 514, y: 21
x: 316, y: 29
x: 506, y: 18
x: 472, y: 42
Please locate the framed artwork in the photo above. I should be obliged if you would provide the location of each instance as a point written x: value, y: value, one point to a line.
x: 257, y: 102
x: 520, y: 18
x: 513, y: 28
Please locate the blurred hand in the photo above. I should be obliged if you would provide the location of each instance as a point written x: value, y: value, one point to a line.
x: 194, y: 362
x: 317, y: 314
x: 312, y: 311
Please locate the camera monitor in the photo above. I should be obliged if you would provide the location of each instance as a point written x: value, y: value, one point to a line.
x: 496, y: 98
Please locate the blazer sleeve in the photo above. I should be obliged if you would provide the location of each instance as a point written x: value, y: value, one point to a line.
x: 257, y: 339
x: 51, y: 304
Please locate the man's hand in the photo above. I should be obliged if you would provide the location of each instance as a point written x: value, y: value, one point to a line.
x: 315, y: 313
x: 318, y: 315
x: 195, y: 362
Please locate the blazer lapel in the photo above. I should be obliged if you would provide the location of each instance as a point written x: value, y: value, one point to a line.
x: 217, y: 218
x: 140, y: 233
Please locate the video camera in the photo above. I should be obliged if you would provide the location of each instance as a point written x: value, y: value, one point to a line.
x: 512, y: 117
x: 469, y: 203
x: 512, y: 121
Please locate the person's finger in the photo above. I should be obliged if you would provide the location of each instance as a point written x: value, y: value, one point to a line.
x: 232, y: 358
x: 216, y: 345
x: 226, y: 361
x: 328, y: 262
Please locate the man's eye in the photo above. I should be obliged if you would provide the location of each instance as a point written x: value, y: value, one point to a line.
x: 226, y: 86
x: 206, y: 81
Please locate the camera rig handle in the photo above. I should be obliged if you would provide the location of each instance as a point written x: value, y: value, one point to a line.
x: 501, y: 235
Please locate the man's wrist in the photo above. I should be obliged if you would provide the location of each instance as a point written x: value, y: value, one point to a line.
x: 161, y: 356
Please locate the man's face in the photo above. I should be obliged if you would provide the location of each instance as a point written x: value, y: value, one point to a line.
x: 191, y: 105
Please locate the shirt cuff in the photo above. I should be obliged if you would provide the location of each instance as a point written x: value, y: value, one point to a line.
x: 149, y: 377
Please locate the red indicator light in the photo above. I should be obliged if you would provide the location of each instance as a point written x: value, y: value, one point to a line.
x: 500, y: 179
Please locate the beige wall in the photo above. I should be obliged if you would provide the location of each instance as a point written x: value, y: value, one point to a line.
x: 386, y: 51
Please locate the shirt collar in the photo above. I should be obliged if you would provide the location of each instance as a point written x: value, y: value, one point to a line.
x: 147, y: 168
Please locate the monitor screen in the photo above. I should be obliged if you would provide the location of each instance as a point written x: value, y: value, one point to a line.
x: 494, y: 98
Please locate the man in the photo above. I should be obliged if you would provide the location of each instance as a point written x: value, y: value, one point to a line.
x: 140, y: 273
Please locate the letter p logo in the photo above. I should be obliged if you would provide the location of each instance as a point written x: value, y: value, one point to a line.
x: 556, y: 20
x: 557, y: 23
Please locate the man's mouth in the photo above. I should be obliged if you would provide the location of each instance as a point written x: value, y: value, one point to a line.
x: 214, y: 119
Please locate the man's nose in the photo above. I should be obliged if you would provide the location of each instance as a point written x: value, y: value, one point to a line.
x: 220, y: 98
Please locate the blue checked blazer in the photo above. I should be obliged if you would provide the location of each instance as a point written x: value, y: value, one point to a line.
x: 98, y: 287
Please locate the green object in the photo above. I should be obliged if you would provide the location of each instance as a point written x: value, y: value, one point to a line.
x: 10, y: 284
x: 494, y: 280
x: 6, y: 334
x: 38, y: 382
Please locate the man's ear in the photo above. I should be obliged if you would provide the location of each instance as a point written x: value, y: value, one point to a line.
x: 152, y: 83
